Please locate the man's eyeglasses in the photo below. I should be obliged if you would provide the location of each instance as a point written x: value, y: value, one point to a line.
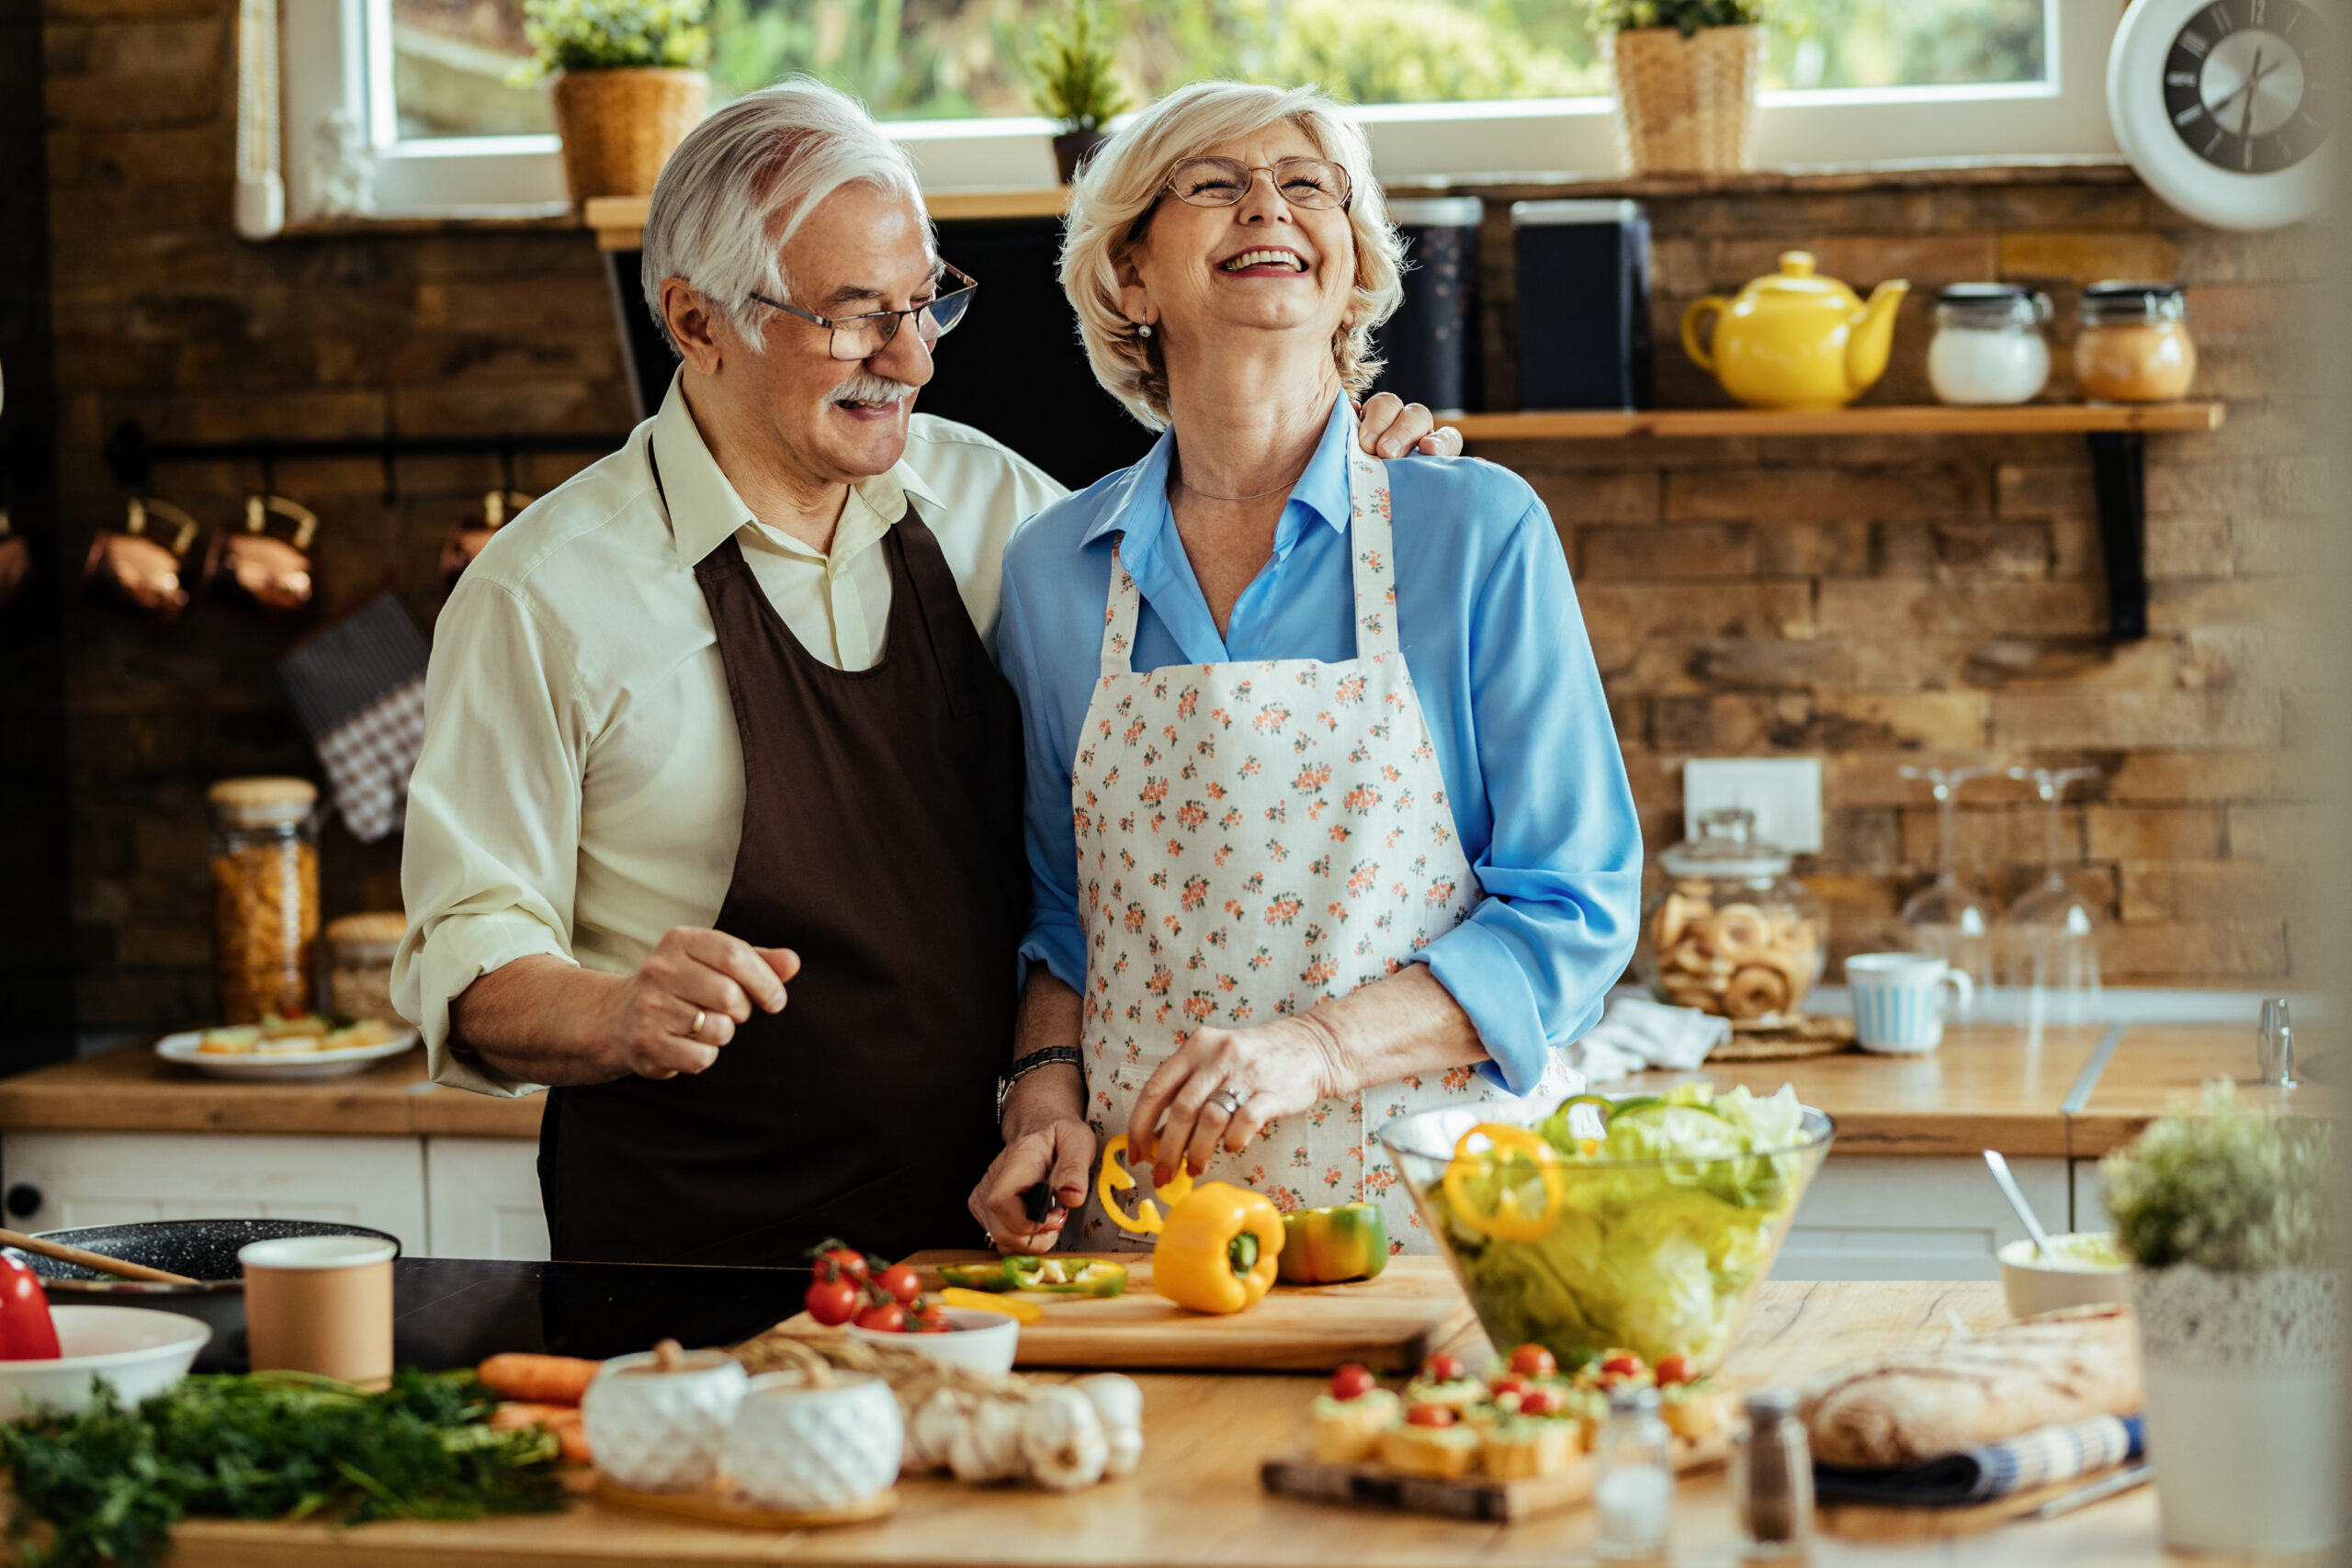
x: 862, y: 337
x: 1317, y: 184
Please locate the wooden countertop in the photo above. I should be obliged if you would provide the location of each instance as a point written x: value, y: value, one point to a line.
x: 1197, y: 1503
x: 2159, y: 1064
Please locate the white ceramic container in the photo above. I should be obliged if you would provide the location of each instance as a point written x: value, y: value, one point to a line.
x: 136, y: 1352
x: 2033, y: 1285
x: 984, y: 1341
x: 657, y: 1431
x: 815, y: 1449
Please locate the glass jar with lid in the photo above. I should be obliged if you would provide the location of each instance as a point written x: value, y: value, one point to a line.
x: 1988, y: 348
x: 2135, y: 345
x: 360, y: 965
x: 264, y: 896
x: 1731, y: 932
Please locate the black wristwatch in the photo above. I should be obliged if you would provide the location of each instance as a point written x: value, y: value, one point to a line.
x: 1030, y: 1064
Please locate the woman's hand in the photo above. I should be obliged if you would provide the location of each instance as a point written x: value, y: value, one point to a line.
x: 1223, y: 1086
x: 1389, y: 428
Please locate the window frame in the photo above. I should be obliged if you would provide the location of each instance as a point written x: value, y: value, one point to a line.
x: 338, y: 61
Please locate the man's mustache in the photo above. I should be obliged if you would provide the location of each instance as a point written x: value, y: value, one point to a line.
x: 867, y: 388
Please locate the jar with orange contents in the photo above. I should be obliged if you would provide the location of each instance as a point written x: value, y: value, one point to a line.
x: 2135, y: 345
x: 264, y: 896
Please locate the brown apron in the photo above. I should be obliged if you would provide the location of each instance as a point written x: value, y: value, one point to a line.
x: 881, y: 842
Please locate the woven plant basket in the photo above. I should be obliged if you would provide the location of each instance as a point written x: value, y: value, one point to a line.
x: 619, y: 127
x: 1687, y: 105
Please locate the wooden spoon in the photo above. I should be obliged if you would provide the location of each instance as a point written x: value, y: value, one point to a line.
x: 97, y: 1260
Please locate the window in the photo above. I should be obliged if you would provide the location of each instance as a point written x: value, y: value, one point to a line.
x: 415, y: 95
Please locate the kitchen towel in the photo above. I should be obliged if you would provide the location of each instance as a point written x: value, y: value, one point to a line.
x: 1995, y: 1469
x: 1638, y: 1033
x: 357, y: 684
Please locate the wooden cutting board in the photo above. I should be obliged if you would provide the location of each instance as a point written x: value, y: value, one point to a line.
x: 1390, y: 1323
x: 1473, y: 1496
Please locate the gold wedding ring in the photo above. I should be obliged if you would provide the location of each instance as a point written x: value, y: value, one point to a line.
x: 701, y: 1018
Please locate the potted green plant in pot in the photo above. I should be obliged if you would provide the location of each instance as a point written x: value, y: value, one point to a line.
x: 1074, y: 86
x: 1686, y: 72
x: 628, y: 85
x: 2222, y: 1209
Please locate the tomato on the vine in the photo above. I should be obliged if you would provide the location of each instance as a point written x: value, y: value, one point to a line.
x: 832, y: 1301
x: 842, y: 1263
x: 888, y: 1319
x: 899, y: 1283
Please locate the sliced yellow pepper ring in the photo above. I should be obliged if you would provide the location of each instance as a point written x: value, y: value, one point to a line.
x: 1148, y: 1219
x: 1508, y: 1221
x: 980, y: 1301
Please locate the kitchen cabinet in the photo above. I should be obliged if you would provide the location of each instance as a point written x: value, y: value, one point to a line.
x: 482, y: 1199
x: 1870, y: 1217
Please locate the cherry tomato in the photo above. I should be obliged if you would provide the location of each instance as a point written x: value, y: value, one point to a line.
x: 1510, y: 1382
x: 1534, y: 1362
x: 832, y: 1301
x: 1429, y: 1415
x: 888, y: 1319
x: 1443, y: 1368
x: 842, y: 1263
x: 1625, y: 1364
x: 1676, y: 1369
x: 1540, y: 1402
x: 1352, y: 1381
x: 901, y: 1283
x: 25, y: 1332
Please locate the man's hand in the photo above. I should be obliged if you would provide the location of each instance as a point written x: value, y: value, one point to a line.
x: 1045, y: 1140
x: 686, y: 999
x: 1390, y: 429
x: 1223, y: 1086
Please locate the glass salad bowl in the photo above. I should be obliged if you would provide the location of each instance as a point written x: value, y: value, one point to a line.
x: 1642, y: 1223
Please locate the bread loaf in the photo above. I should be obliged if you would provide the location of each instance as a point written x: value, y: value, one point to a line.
x: 2059, y: 1367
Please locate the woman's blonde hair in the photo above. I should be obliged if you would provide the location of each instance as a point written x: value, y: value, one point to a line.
x: 1122, y: 185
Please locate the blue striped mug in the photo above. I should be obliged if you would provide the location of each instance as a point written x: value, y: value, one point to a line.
x: 1899, y: 1000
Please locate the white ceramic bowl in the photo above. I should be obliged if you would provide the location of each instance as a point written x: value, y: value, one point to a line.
x: 133, y: 1350
x: 2033, y: 1285
x: 662, y: 1431
x: 816, y: 1450
x: 984, y: 1341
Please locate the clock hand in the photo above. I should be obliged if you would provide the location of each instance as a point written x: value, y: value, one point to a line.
x: 2252, y: 81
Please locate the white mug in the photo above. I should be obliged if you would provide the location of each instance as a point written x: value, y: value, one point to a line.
x: 1898, y: 1000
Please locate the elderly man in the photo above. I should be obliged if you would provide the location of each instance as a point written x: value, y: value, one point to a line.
x: 717, y: 717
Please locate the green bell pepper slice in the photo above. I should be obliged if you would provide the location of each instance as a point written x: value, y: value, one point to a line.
x: 1324, y: 1246
x: 994, y: 1277
x: 1067, y: 1276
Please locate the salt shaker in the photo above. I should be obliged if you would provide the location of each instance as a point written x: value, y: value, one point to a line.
x: 1771, y: 1480
x: 2274, y: 1046
x: 1634, y: 1490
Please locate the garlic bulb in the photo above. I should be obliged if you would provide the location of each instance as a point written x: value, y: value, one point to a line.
x: 932, y: 1429
x: 1062, y: 1440
x: 1118, y: 1402
x: 987, y: 1447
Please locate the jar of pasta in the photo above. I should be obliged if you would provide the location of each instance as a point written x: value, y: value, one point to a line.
x: 2134, y: 346
x: 264, y: 896
x: 360, y: 965
x: 1731, y: 932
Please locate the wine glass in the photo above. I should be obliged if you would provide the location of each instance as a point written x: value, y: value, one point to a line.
x: 2050, y: 937
x: 1946, y: 918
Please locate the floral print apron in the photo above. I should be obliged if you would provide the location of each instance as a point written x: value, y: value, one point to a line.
x: 1253, y: 837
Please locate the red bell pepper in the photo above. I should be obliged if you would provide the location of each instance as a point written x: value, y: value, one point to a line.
x: 26, y: 1333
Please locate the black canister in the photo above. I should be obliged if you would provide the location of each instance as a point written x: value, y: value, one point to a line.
x: 1584, y: 304
x: 1432, y: 342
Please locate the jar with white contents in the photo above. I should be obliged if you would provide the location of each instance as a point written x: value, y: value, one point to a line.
x: 1989, y: 348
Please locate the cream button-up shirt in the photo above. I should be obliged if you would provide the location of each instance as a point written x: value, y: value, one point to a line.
x: 581, y: 789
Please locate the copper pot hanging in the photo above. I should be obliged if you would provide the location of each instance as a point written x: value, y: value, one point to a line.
x: 469, y: 534
x: 258, y: 568
x: 130, y: 568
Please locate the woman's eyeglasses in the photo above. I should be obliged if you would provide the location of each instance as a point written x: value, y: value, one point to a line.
x: 862, y: 337
x: 1317, y: 184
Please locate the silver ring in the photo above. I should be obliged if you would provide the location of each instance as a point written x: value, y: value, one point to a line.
x: 1225, y: 1100
x: 701, y: 1018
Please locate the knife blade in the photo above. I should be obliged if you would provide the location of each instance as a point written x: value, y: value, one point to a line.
x: 2106, y: 1487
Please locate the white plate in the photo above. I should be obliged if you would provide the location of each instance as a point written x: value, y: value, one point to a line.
x: 135, y: 1351
x: 182, y: 1049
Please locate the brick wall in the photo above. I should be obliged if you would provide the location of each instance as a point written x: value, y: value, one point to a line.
x: 1875, y: 602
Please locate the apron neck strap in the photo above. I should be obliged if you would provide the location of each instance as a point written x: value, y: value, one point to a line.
x: 1119, y: 616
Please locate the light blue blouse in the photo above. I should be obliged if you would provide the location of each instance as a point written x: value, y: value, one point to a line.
x: 1499, y: 657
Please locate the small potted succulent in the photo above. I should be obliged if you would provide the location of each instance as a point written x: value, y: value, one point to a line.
x: 2222, y: 1210
x: 1686, y: 72
x: 628, y: 85
x: 1074, y: 86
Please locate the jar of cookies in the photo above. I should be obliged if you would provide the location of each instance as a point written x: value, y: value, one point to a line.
x: 264, y: 896
x: 360, y: 965
x: 1732, y: 933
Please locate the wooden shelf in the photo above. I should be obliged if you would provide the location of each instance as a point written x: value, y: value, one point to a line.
x: 619, y: 220
x: 2031, y: 418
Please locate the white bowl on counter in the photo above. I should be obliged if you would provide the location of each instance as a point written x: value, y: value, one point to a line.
x: 818, y: 1450
x: 983, y: 1341
x: 136, y: 1352
x: 2078, y: 1277
x: 662, y: 1431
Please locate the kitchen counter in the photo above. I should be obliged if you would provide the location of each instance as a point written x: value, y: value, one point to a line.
x: 1197, y: 1501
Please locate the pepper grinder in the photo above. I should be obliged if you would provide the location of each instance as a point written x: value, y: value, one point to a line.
x: 2274, y: 1046
x: 1771, y: 1481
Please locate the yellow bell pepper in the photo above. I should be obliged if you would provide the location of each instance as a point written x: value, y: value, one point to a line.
x: 1219, y: 1250
x: 1508, y: 1219
x: 1146, y: 1220
x: 981, y: 1300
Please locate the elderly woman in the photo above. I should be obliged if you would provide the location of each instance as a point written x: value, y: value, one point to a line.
x: 1326, y: 820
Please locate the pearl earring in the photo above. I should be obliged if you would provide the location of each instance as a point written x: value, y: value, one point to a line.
x: 1143, y: 329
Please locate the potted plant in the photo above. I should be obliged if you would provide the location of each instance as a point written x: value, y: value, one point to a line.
x: 2222, y: 1209
x: 628, y: 85
x: 1074, y: 86
x: 1686, y: 82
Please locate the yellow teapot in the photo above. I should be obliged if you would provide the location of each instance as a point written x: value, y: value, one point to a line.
x: 1794, y: 341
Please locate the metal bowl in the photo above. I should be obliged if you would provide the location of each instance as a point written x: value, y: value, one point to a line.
x: 204, y: 1250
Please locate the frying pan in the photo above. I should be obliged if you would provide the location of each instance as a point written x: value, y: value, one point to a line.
x: 204, y: 1250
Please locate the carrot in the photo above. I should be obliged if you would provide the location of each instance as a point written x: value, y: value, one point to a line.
x: 538, y: 1379
x: 573, y: 1436
x: 513, y: 1415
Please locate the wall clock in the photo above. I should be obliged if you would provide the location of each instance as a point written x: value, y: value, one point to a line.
x: 2222, y: 106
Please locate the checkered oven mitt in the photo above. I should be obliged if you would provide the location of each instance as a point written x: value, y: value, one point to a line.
x: 2038, y: 1457
x: 358, y: 687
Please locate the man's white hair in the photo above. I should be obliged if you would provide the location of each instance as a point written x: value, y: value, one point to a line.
x: 743, y: 181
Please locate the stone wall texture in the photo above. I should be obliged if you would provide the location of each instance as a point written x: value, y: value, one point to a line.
x: 1874, y: 602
